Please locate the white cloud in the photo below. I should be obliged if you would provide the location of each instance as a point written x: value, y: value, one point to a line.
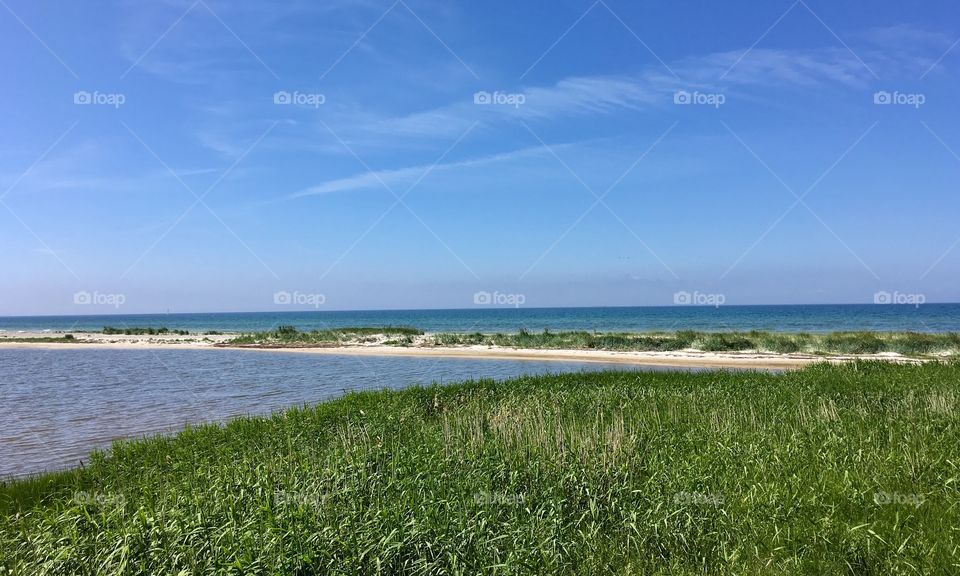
x: 91, y: 167
x: 754, y: 70
x: 408, y: 175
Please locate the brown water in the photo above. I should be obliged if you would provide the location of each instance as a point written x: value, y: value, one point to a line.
x: 58, y: 405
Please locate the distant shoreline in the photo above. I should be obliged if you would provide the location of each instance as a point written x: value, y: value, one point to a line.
x: 687, y: 358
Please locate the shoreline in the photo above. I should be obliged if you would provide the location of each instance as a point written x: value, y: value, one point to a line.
x: 687, y: 358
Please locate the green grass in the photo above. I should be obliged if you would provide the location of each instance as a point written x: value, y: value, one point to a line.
x: 291, y: 336
x: 849, y: 469
x: 65, y: 339
x: 143, y: 331
x: 912, y: 344
x: 906, y: 343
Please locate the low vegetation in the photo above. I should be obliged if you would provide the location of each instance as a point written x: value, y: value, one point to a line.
x: 65, y: 339
x: 849, y: 469
x: 291, y: 336
x: 906, y: 343
x: 913, y: 344
x: 144, y: 331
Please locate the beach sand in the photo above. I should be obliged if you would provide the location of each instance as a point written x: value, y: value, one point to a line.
x: 678, y: 358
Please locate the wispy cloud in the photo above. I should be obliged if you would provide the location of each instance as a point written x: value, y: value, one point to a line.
x: 583, y: 96
x: 904, y: 37
x: 91, y: 167
x: 210, y: 41
x: 589, y: 96
x: 408, y: 175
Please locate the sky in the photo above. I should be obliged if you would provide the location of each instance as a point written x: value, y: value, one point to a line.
x: 206, y: 155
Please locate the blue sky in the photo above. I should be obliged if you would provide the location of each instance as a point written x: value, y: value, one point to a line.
x: 774, y: 152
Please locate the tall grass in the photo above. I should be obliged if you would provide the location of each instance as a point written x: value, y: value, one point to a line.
x: 143, y: 331
x: 906, y: 343
x: 848, y: 469
x: 64, y: 339
x: 290, y: 335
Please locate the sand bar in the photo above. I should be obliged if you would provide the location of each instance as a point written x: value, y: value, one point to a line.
x: 677, y: 358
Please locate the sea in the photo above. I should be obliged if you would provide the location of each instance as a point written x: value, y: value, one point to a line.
x: 782, y: 318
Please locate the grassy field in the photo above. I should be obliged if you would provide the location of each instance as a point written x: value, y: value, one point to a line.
x: 907, y: 343
x: 849, y: 469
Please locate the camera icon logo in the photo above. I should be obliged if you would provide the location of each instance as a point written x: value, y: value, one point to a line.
x: 282, y: 298
x: 282, y: 97
x: 482, y: 97
x: 882, y: 297
x: 681, y: 97
x: 882, y: 97
x: 82, y: 97
x: 482, y: 298
x: 82, y: 297
x: 683, y: 297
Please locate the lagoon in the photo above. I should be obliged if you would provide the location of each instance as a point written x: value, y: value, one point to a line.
x: 61, y: 404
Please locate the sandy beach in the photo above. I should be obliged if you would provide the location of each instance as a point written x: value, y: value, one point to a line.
x: 689, y: 358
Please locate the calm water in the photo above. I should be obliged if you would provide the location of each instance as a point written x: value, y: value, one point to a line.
x: 800, y: 318
x: 60, y: 404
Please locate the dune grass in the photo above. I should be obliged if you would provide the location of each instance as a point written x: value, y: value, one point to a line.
x: 144, y: 331
x: 913, y: 344
x: 64, y: 339
x: 291, y: 336
x: 849, y: 469
x: 906, y: 343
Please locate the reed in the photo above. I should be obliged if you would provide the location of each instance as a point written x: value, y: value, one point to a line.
x: 831, y: 469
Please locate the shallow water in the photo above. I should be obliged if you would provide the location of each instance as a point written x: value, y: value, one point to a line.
x: 58, y: 405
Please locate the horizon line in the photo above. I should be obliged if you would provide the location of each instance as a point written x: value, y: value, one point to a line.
x: 477, y: 308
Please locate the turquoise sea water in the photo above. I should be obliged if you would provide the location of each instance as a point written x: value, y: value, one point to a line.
x: 793, y: 318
